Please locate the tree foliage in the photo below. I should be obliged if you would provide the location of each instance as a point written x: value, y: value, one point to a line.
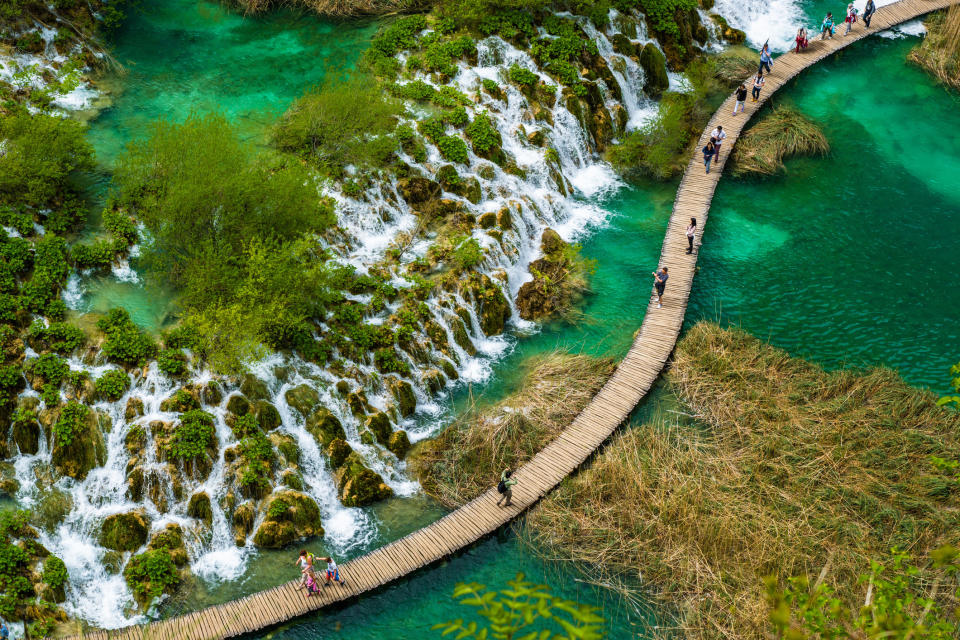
x: 523, y: 611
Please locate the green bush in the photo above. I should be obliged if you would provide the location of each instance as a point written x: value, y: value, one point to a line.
x: 521, y: 76
x: 41, y: 155
x: 399, y: 35
x: 60, y: 337
x: 112, y: 384
x: 125, y: 343
x: 453, y: 149
x: 99, y: 255
x: 341, y: 123
x: 172, y: 362
x: 468, y: 254
x: 388, y: 360
x: 120, y: 225
x: 483, y: 136
x: 487, y: 13
x: 55, y: 572
x: 70, y: 423
x: 192, y: 436
x: 152, y: 573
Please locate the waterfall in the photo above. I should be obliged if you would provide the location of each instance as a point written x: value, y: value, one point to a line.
x: 563, y: 185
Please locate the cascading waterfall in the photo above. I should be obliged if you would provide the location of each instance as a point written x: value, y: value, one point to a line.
x: 562, y: 192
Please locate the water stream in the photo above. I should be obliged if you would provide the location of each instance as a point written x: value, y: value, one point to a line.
x: 847, y: 260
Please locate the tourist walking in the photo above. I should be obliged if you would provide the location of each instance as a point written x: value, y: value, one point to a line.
x: 757, y: 85
x: 691, y: 234
x: 718, y: 135
x: 766, y: 61
x: 333, y: 573
x: 741, y: 98
x: 868, y: 12
x: 305, y: 560
x: 851, y: 17
x: 505, y: 487
x: 708, y: 153
x: 4, y: 631
x: 659, y: 283
x: 802, y: 41
x: 826, y: 26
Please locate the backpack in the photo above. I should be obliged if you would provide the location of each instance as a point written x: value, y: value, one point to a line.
x: 502, y: 487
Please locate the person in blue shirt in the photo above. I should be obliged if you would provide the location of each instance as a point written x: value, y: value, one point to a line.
x: 827, y: 26
x: 4, y: 631
x: 708, y: 152
x: 766, y: 61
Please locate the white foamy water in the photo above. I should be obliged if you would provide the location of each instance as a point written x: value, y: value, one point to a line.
x: 563, y: 190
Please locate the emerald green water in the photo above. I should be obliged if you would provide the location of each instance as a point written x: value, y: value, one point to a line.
x: 848, y: 259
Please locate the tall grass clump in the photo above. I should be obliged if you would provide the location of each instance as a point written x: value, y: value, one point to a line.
x: 467, y: 457
x: 735, y: 65
x: 782, y: 469
x: 939, y: 53
x: 781, y: 133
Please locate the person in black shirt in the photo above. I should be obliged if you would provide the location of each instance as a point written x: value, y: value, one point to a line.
x: 659, y: 282
x: 741, y: 98
x: 868, y: 12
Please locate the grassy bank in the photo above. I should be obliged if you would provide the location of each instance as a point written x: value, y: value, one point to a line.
x: 780, y: 133
x: 939, y: 53
x: 784, y: 470
x: 467, y: 457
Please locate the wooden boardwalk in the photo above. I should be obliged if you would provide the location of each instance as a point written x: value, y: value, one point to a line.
x: 608, y: 409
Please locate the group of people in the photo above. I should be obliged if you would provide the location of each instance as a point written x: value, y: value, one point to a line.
x: 712, y: 150
x: 826, y: 27
x: 308, y: 578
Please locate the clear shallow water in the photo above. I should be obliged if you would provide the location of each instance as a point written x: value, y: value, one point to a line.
x: 820, y: 262
x: 850, y: 259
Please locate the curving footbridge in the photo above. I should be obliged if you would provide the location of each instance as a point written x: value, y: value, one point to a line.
x: 608, y: 409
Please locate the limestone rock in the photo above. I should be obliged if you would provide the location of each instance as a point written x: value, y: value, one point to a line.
x: 303, y: 398
x: 338, y: 452
x: 402, y: 392
x: 324, y: 426
x: 655, y: 70
x: 399, y: 443
x: 199, y: 507
x: 358, y: 485
x: 125, y: 531
x: 290, y: 515
x: 379, y: 425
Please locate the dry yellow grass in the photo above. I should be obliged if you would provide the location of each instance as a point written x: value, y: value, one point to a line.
x: 939, y: 53
x: 467, y: 457
x: 785, y: 470
x: 780, y: 133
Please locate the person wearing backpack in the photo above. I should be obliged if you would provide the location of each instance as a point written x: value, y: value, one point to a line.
x: 504, y: 487
x: 305, y: 560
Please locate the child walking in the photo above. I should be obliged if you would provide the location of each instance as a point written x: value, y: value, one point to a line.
x: 333, y: 573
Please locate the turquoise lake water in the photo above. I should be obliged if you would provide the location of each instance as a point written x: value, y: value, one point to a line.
x: 847, y: 259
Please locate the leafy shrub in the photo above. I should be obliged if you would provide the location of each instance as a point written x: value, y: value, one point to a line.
x: 112, y: 384
x: 468, y: 254
x: 70, y: 423
x: 172, y: 362
x: 52, y: 370
x: 181, y: 337
x: 483, y: 136
x: 440, y: 56
x: 192, y: 436
x: 399, y: 35
x: 453, y: 149
x: 388, y: 360
x: 55, y: 572
x: 521, y: 76
x: 279, y: 509
x: 16, y: 254
x: 120, y: 225
x: 59, y: 336
x: 151, y: 573
x: 125, y: 342
x: 99, y: 255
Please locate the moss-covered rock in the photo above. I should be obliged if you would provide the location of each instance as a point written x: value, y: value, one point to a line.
x: 52, y: 507
x: 78, y: 443
x: 654, y: 69
x: 151, y: 574
x: 243, y: 518
x: 378, y: 424
x: 211, y: 393
x: 303, y: 398
x: 399, y: 443
x: 171, y: 539
x: 433, y: 380
x: 26, y: 432
x: 491, y: 305
x: 254, y: 388
x: 8, y: 480
x: 417, y: 190
x: 402, y: 392
x: 358, y: 485
x: 292, y: 479
x: 623, y: 45
x: 289, y: 516
x: 181, y: 401
x: 267, y: 415
x: 324, y: 426
x: 487, y: 220
x: 726, y: 32
x: 357, y: 401
x: 199, y: 507
x: 286, y: 446
x: 338, y: 451
x: 125, y: 531
x: 238, y: 405
x: 134, y: 409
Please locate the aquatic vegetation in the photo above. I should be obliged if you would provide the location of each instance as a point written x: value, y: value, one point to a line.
x: 468, y: 456
x: 193, y: 436
x: 125, y: 343
x: 781, y: 133
x: 112, y: 384
x: 777, y: 457
x: 939, y: 53
x: 560, y: 279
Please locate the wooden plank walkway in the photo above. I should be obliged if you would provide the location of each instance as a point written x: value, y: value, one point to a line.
x: 608, y: 409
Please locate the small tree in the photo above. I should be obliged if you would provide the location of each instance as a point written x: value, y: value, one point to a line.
x: 523, y: 611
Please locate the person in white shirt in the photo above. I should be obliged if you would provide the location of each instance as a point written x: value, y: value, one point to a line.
x: 718, y: 136
x: 691, y: 234
x: 333, y: 573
